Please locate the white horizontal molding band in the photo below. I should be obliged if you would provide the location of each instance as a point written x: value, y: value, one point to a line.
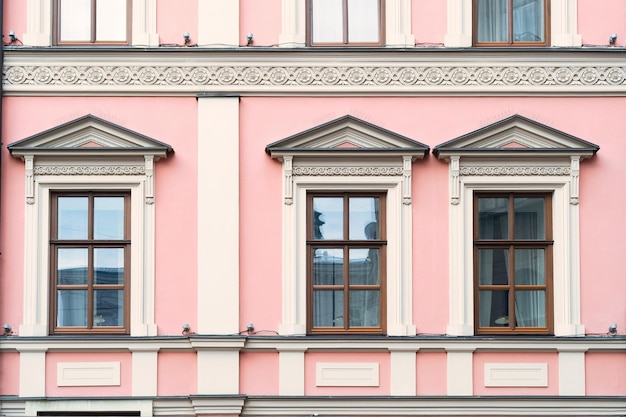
x: 270, y: 73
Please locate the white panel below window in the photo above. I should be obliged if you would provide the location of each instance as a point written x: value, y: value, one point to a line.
x: 516, y: 374
x: 346, y: 374
x: 85, y: 374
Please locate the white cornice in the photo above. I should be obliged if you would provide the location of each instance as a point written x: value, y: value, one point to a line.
x: 276, y: 71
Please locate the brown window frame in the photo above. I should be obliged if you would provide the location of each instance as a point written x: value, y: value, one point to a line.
x: 90, y: 243
x: 511, y: 244
x: 511, y: 42
x: 346, y: 244
x: 346, y: 41
x: 56, y: 27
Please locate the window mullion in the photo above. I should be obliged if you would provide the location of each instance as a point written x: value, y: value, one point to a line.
x: 345, y: 21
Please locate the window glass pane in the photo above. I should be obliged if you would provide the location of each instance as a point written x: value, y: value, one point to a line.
x: 108, y: 266
x: 493, y: 218
x: 72, y: 266
x: 111, y: 20
x: 528, y: 21
x: 327, y: 21
x: 493, y: 266
x: 328, y: 308
x: 364, y: 215
x: 363, y: 21
x: 529, y: 218
x: 530, y: 308
x: 72, y: 308
x: 72, y: 217
x: 328, y: 218
x: 109, y: 308
x: 364, y: 308
x: 493, y: 22
x: 108, y: 218
x: 530, y: 267
x: 493, y: 308
x: 364, y: 267
x: 75, y: 17
x: 328, y: 267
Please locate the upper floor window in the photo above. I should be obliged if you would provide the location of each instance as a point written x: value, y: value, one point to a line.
x: 90, y: 252
x: 104, y: 22
x: 510, y: 22
x: 346, y: 256
x: 345, y: 22
x: 513, y: 262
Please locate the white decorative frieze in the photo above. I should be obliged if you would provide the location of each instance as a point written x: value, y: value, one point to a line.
x: 348, y: 171
x: 89, y: 170
x: 514, y: 170
x: 413, y: 73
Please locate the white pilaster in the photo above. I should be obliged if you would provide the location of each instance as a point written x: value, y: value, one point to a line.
x: 459, y: 33
x: 291, y: 372
x: 293, y: 24
x: 571, y: 372
x: 218, y: 372
x: 32, y: 372
x: 218, y: 215
x: 460, y: 374
x: 218, y: 23
x: 403, y: 372
x: 144, y: 372
x: 564, y: 23
x: 144, y: 23
x: 398, y: 24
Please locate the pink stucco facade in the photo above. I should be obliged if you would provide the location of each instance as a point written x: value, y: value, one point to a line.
x: 218, y: 146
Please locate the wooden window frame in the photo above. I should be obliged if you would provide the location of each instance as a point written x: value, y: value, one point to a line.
x: 511, y: 244
x: 511, y: 42
x: 346, y: 41
x: 56, y: 27
x: 91, y: 244
x: 347, y: 244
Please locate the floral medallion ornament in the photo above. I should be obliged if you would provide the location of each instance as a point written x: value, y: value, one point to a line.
x: 174, y: 75
x: 382, y: 76
x: 200, y: 75
x: 330, y: 76
x: 434, y: 76
x: 42, y: 75
x: 563, y: 76
x: 252, y: 75
x: 615, y: 75
x: 304, y: 76
x: 278, y: 76
x: 589, y: 76
x: 511, y: 76
x: 148, y: 75
x: 459, y: 76
x: 407, y: 76
x: 537, y: 76
x: 356, y: 76
x: 122, y: 75
x: 68, y: 75
x: 226, y: 75
x: 485, y: 76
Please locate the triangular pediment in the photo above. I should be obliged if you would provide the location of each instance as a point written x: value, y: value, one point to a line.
x: 89, y: 135
x: 516, y: 135
x: 345, y: 136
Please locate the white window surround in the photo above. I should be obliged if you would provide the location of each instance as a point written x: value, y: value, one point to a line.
x: 563, y: 23
x: 347, y: 154
x: 88, y: 153
x: 39, y: 23
x: 515, y: 154
x: 397, y: 24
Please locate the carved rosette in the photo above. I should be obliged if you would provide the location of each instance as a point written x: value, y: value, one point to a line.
x: 514, y: 170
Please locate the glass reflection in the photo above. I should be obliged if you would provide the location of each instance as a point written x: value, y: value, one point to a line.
x: 72, y: 308
x: 109, y: 308
x: 530, y: 267
x: 493, y: 218
x: 72, y: 266
x: 529, y: 218
x: 328, y: 266
x: 493, y: 266
x: 72, y: 218
x: 108, y: 218
x: 364, y: 266
x: 364, y: 215
x: 108, y: 265
x: 328, y: 308
x: 494, y: 308
x: 328, y: 218
x: 364, y: 308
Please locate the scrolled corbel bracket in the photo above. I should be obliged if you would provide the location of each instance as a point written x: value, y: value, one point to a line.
x: 455, y: 180
x: 574, y: 176
x: 288, y: 179
x: 29, y: 162
x: 149, y: 192
x: 406, y: 183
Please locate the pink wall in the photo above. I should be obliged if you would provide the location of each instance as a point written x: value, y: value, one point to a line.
x: 429, y: 22
x: 262, y: 19
x: 177, y: 373
x: 597, y: 21
x: 311, y: 360
x: 258, y: 373
x: 605, y: 373
x: 174, y: 18
x: 9, y: 373
x: 125, y: 387
x: 431, y: 373
x: 527, y: 357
